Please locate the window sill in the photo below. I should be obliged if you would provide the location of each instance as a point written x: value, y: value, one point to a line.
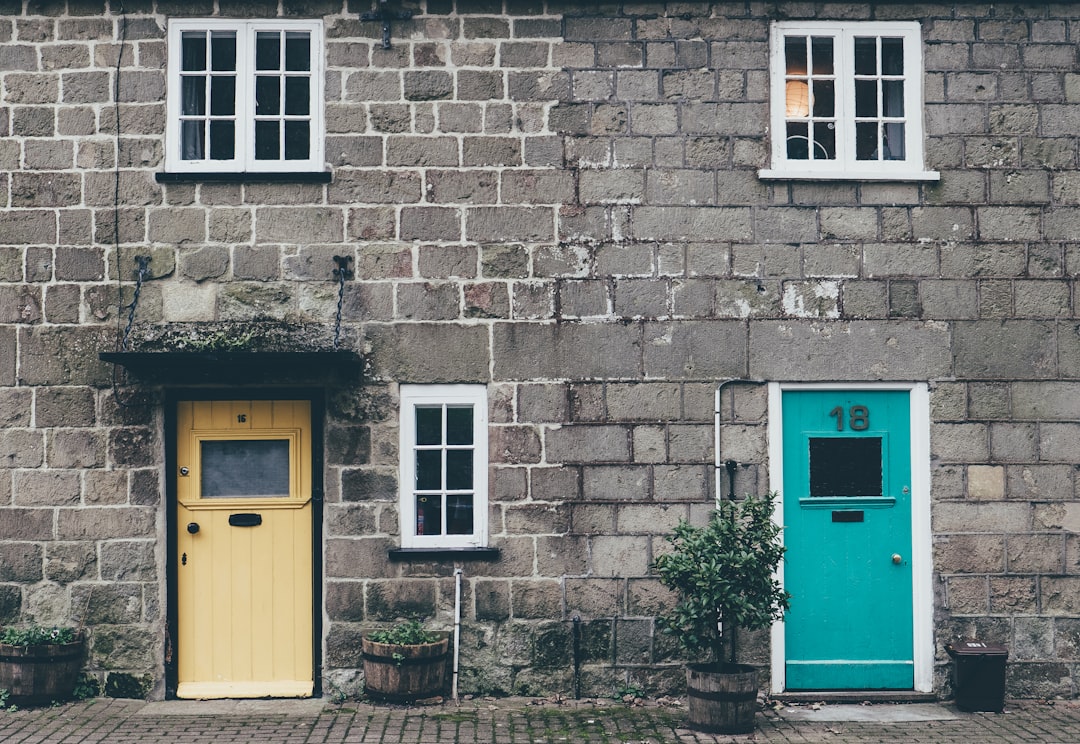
x: 792, y: 174
x: 470, y: 554
x: 269, y: 177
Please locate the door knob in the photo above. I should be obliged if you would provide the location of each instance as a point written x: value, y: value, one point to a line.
x: 896, y: 558
x: 193, y: 527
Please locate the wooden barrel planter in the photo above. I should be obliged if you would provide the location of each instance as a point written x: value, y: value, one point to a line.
x: 39, y: 675
x: 404, y: 673
x: 722, y: 698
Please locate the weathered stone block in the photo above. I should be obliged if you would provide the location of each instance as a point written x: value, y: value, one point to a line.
x: 595, y: 598
x: 587, y: 443
x: 534, y: 599
x: 75, y: 449
x: 20, y: 562
x: 105, y: 523
x: 66, y: 562
x: 359, y: 558
x: 970, y: 553
x: 565, y: 351
x: 492, y: 600
x: 616, y: 483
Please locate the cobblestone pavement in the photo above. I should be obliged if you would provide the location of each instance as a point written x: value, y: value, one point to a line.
x: 489, y: 721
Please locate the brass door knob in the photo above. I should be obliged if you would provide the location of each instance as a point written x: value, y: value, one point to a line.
x: 896, y: 558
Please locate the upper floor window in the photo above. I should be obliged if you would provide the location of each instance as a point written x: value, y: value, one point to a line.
x: 244, y: 96
x: 846, y: 101
x: 444, y: 465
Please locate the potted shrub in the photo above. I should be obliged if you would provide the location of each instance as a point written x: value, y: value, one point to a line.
x: 404, y: 662
x: 724, y: 575
x: 39, y: 665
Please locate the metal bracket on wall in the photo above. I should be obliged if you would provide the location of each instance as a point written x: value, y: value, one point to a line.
x: 386, y: 15
x: 341, y: 273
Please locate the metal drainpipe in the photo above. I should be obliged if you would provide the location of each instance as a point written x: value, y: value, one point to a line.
x: 457, y: 630
x: 720, y: 466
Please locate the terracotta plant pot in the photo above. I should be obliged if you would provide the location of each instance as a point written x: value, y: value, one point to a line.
x: 722, y: 698
x: 39, y: 675
x: 404, y: 673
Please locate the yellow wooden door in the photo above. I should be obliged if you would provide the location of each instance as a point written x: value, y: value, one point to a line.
x: 244, y: 550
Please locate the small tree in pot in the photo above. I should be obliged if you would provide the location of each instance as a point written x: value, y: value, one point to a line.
x: 724, y: 574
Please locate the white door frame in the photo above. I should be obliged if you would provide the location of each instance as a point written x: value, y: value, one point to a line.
x: 921, y: 545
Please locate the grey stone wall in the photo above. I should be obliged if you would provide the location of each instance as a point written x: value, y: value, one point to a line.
x: 562, y: 201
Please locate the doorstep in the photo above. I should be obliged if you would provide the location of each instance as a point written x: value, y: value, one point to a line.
x: 855, y: 696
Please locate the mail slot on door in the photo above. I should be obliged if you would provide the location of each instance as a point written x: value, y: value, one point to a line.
x: 847, y: 516
x: 245, y: 520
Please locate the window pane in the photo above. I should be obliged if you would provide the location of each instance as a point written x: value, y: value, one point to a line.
x: 192, y: 138
x: 892, y: 94
x: 245, y: 468
x: 223, y: 51
x: 193, y: 95
x: 892, y: 56
x: 193, y: 50
x: 267, y: 95
x: 795, y: 54
x: 866, y: 55
x: 822, y: 52
x: 297, y: 51
x: 222, y: 140
x: 845, y: 466
x: 222, y: 96
x: 824, y: 141
x: 798, y: 141
x: 894, y: 146
x: 866, y: 98
x: 824, y: 98
x: 297, y: 96
x: 866, y: 140
x: 459, y: 425
x: 428, y: 515
x: 459, y: 470
x: 266, y: 140
x: 297, y: 140
x: 428, y: 425
x: 428, y: 470
x: 459, y: 514
x: 268, y: 50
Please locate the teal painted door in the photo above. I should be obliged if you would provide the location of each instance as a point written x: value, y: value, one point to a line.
x: 847, y: 517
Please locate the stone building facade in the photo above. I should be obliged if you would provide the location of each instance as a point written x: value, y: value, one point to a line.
x: 585, y: 217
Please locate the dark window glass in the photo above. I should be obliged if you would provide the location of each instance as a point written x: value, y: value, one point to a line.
x: 459, y: 420
x: 297, y: 96
x: 428, y: 515
x: 223, y: 51
x: 798, y: 140
x: 266, y: 140
x: 824, y: 98
x: 268, y: 50
x: 222, y: 96
x: 222, y: 140
x: 866, y: 140
x: 267, y: 95
x: 894, y: 147
x: 459, y: 470
x: 892, y: 56
x: 428, y: 425
x: 297, y: 51
x: 866, y: 98
x: 428, y: 470
x: 866, y: 55
x: 245, y: 468
x: 193, y: 96
x: 845, y: 466
x: 892, y: 98
x: 822, y: 51
x: 297, y: 140
x: 824, y: 141
x: 459, y: 514
x: 193, y: 138
x: 193, y: 51
x: 795, y: 55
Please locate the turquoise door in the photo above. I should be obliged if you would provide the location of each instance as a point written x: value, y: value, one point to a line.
x: 847, y: 517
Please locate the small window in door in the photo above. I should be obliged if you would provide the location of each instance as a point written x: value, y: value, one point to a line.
x: 845, y: 467
x: 244, y: 468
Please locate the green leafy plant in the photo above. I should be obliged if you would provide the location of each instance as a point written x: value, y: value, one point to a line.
x: 38, y: 635
x: 405, y: 633
x: 724, y: 574
x: 87, y: 686
x: 5, y: 695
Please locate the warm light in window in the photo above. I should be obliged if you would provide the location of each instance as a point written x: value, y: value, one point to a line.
x: 797, y: 98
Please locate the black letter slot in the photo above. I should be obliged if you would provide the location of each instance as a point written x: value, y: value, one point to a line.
x: 847, y: 516
x: 245, y: 520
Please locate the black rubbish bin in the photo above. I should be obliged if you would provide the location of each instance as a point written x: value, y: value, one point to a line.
x: 979, y: 673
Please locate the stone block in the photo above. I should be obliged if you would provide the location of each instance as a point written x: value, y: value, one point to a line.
x: 1031, y: 554
x: 26, y: 524
x: 694, y: 350
x: 649, y: 444
x: 534, y: 599
x: 960, y: 442
x: 517, y: 556
x: 968, y: 594
x: 21, y: 562
x: 46, y: 487
x: 595, y: 597
x: 22, y: 448
x: 359, y: 558
x: 499, y: 224
x: 562, y: 555
x: 66, y: 562
x: 616, y: 483
x: 129, y: 646
x: 105, y: 523
x: 1012, y: 442
x: 554, y: 484
x: 565, y: 351
x: 129, y: 560
x: 646, y: 519
x: 1004, y: 349
x: 368, y: 484
x: 515, y: 445
x: 691, y: 223
x: 986, y: 482
x: 1060, y: 595
x: 1041, y: 482
x: 444, y: 262
x: 78, y: 448
x: 345, y: 601
x: 404, y: 353
x: 492, y: 600
x: 587, y: 443
x: 1016, y: 595
x: 428, y: 301
x: 990, y: 517
x: 979, y: 554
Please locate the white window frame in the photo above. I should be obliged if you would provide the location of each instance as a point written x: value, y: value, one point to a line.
x: 412, y: 396
x: 244, y: 161
x: 845, y: 166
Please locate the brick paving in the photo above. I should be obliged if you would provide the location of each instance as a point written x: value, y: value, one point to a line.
x: 503, y: 721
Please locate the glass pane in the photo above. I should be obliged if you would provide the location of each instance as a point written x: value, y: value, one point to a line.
x: 297, y: 51
x: 428, y: 515
x: 845, y: 466
x: 193, y: 50
x: 297, y: 96
x: 245, y: 468
x: 428, y: 425
x: 459, y: 470
x: 795, y: 54
x: 894, y: 146
x: 193, y: 95
x: 223, y: 51
x: 824, y: 98
x: 192, y: 137
x: 892, y: 56
x: 459, y: 425
x: 822, y: 52
x: 824, y: 141
x: 297, y: 140
x: 892, y: 95
x: 796, y: 99
x: 222, y: 96
x: 268, y: 50
x: 428, y: 470
x: 266, y: 140
x: 459, y: 514
x: 866, y: 141
x: 866, y: 98
x: 865, y: 55
x: 267, y: 95
x: 798, y: 141
x: 222, y: 140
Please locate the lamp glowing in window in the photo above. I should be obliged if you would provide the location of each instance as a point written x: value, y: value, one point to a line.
x: 797, y: 98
